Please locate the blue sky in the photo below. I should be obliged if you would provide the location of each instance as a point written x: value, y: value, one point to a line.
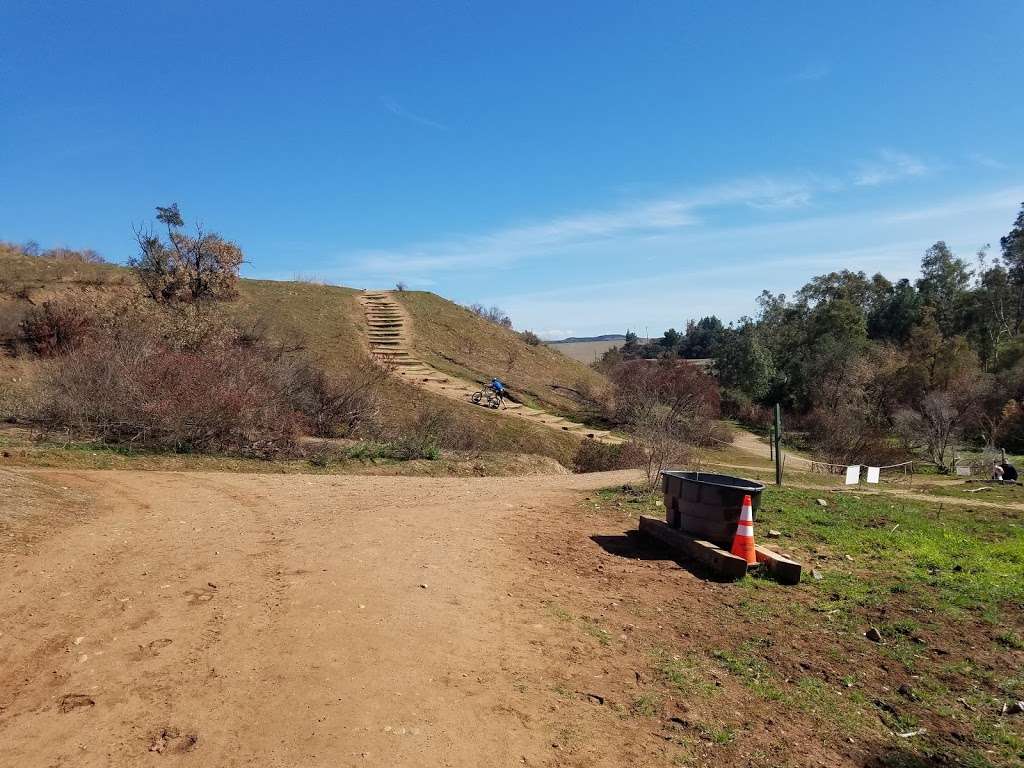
x: 587, y: 166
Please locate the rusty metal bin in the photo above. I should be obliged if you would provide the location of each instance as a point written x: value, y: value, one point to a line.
x: 706, y: 505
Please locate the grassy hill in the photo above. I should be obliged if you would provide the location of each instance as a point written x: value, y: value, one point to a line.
x: 329, y: 323
x: 459, y: 342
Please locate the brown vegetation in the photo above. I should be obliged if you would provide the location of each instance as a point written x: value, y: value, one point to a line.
x: 667, y: 407
x: 185, y: 268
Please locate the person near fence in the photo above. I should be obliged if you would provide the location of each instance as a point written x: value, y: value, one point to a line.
x: 1009, y: 472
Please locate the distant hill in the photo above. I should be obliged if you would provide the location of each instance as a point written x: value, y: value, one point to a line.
x: 579, y: 339
x: 587, y: 349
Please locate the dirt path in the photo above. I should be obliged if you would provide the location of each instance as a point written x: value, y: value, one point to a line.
x: 390, y: 337
x: 750, y: 443
x: 272, y: 620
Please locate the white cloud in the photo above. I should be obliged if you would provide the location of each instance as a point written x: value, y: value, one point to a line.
x: 889, y: 166
x: 721, y: 269
x: 644, y: 219
x: 554, y: 334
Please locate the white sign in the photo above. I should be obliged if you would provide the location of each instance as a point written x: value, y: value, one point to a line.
x: 872, y: 474
x: 853, y: 474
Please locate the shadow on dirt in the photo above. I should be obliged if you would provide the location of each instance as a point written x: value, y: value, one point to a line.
x: 634, y: 545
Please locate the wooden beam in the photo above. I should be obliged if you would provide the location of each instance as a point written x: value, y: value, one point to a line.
x: 718, y: 560
x: 782, y: 569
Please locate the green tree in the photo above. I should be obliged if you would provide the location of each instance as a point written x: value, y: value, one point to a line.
x: 943, y: 286
x: 895, y: 309
x: 702, y: 338
x: 1012, y: 245
x: 743, y: 363
x: 670, y: 340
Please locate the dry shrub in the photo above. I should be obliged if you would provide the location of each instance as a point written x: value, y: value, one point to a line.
x: 191, y: 382
x: 11, y: 315
x: 666, y: 406
x: 592, y: 456
x: 185, y: 268
x: 55, y: 327
x: 135, y: 388
x: 333, y: 407
x: 530, y: 338
x: 86, y: 256
x: 738, y: 405
x: 432, y: 431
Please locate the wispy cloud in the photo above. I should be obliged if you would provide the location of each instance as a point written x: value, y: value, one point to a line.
x: 646, y: 219
x: 719, y: 269
x: 397, y: 109
x: 813, y: 71
x: 986, y: 161
x: 889, y: 166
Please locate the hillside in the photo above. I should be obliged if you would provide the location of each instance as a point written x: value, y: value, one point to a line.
x: 329, y: 323
x: 455, y: 340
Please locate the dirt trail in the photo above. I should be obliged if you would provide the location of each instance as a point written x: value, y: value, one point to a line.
x: 750, y: 443
x: 389, y: 332
x: 273, y: 621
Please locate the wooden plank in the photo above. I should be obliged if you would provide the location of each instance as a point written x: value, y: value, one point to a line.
x: 704, y: 552
x: 782, y: 569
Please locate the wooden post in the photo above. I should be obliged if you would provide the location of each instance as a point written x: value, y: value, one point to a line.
x: 771, y: 443
x: 778, y: 444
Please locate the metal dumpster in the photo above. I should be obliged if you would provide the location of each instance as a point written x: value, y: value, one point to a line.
x: 707, y: 506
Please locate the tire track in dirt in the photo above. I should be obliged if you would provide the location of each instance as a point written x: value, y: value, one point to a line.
x: 275, y: 621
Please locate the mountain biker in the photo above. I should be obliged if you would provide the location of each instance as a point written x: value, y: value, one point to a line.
x: 497, y: 386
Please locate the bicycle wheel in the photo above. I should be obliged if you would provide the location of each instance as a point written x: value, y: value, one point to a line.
x: 477, y: 397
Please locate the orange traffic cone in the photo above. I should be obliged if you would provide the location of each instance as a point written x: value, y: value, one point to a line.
x: 743, y: 543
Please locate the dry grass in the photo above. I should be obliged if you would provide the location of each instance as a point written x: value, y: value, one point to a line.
x: 328, y: 322
x: 454, y: 340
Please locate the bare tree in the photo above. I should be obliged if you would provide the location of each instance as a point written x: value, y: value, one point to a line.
x: 493, y: 314
x: 666, y: 407
x: 937, y: 423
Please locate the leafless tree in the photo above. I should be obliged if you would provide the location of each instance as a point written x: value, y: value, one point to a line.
x: 493, y: 314
x: 938, y: 422
x: 667, y: 407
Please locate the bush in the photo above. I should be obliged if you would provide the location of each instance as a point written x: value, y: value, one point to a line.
x: 432, y: 431
x: 737, y: 404
x: 530, y: 338
x: 1010, y: 432
x: 335, y: 407
x: 666, y: 406
x: 54, y: 328
x: 592, y: 456
x: 494, y: 315
x: 134, y: 388
x: 150, y: 379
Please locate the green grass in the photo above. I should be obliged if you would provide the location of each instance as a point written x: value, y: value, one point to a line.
x: 596, y: 631
x: 944, y: 584
x: 682, y: 673
x: 994, y: 492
